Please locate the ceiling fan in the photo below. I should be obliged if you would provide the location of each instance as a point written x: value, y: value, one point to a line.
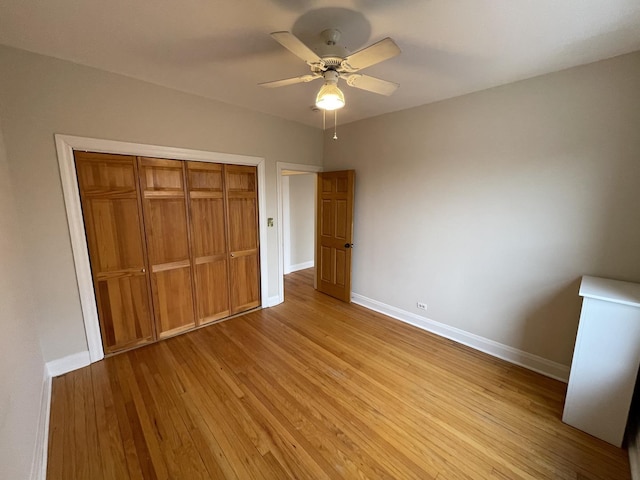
x: 332, y: 62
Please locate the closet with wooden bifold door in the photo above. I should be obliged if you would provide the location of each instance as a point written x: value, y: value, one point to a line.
x: 173, y: 244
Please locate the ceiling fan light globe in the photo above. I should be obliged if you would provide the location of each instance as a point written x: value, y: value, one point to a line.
x: 330, y: 97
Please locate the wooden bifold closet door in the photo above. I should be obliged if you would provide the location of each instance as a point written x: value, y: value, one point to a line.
x: 115, y: 237
x: 173, y: 244
x: 209, y: 238
x: 244, y: 247
x: 165, y: 218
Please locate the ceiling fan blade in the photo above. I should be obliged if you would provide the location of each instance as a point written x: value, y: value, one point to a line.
x: 290, y: 81
x: 294, y: 45
x: 376, y: 53
x: 371, y: 84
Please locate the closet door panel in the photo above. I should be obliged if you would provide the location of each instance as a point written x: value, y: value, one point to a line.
x: 242, y: 223
x: 124, y: 311
x: 210, y: 257
x: 166, y: 223
x: 115, y: 238
x: 209, y: 243
x: 105, y: 173
x: 207, y: 216
x: 212, y: 282
x: 245, y: 283
x: 114, y: 222
x: 243, y: 234
x: 173, y: 298
x: 161, y: 175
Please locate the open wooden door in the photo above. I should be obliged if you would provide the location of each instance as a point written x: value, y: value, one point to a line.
x: 334, y: 232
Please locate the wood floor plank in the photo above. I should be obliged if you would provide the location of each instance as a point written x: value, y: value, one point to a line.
x: 209, y: 397
x: 358, y: 403
x: 316, y: 389
x: 327, y: 439
x: 462, y: 420
x: 210, y: 450
x: 136, y: 453
x: 92, y: 442
x: 57, y: 427
x: 272, y: 431
x: 111, y: 444
x: 175, y: 443
x: 145, y: 433
x: 448, y: 381
x: 70, y: 442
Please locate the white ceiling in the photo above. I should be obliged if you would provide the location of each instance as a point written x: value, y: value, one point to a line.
x: 222, y: 49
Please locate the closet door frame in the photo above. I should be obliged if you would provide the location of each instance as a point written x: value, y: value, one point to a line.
x: 65, y: 146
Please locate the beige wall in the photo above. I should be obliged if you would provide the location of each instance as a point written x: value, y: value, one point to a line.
x: 487, y: 207
x: 21, y: 362
x: 302, y: 189
x: 490, y: 207
x: 41, y: 96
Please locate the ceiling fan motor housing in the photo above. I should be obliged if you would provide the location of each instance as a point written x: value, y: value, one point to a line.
x: 330, y: 51
x: 331, y: 76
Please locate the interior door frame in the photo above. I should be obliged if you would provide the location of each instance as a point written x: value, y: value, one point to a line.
x: 280, y: 167
x: 65, y: 146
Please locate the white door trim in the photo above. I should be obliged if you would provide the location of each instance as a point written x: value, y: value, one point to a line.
x: 280, y: 166
x: 66, y: 144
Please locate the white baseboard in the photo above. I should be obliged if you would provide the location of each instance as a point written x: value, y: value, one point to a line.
x: 505, y: 352
x: 39, y: 465
x: 52, y: 369
x: 298, y: 266
x: 68, y: 364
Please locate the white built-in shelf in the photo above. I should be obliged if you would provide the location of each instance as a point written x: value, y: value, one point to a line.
x: 615, y: 291
x: 605, y: 359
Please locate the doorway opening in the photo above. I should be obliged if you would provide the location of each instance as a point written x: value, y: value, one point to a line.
x: 297, y: 212
x: 298, y: 220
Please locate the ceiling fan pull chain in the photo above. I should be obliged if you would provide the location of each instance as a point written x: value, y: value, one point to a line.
x: 335, y: 124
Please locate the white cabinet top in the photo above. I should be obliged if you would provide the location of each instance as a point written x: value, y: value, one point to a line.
x: 615, y: 291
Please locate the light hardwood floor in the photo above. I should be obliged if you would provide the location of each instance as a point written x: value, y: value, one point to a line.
x: 316, y: 389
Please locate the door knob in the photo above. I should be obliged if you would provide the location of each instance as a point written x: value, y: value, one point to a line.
x: 348, y: 245
x: 143, y: 270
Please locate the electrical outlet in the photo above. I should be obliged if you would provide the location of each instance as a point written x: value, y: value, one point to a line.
x: 422, y: 305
